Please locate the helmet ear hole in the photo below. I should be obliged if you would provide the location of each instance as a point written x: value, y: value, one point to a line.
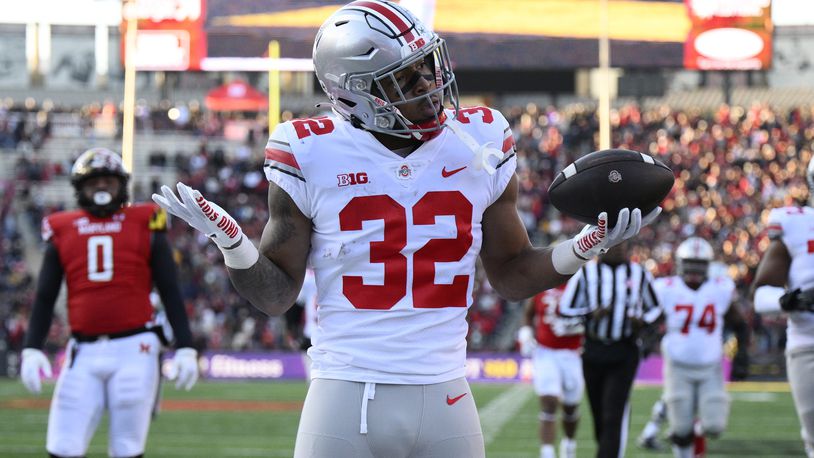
x: 347, y: 102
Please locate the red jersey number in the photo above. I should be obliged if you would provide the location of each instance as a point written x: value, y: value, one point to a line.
x: 708, y: 319
x: 426, y: 293
x: 316, y: 126
x: 465, y: 114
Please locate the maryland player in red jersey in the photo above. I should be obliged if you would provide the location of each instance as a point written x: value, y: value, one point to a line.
x: 553, y: 342
x: 110, y: 255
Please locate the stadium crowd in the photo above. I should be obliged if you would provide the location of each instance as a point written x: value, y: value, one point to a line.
x: 732, y: 165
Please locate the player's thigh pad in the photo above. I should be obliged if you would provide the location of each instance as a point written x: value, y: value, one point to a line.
x: 573, y: 382
x: 800, y: 364
x: 77, y: 405
x: 131, y: 392
x: 713, y: 402
x: 547, y: 378
x: 680, y: 398
x: 402, y: 421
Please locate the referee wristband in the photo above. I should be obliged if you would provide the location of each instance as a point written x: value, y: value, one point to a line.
x: 243, y: 256
x: 564, y: 259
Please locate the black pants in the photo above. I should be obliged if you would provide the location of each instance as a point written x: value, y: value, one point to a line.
x: 609, y: 370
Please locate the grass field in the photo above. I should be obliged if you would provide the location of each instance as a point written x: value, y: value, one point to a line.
x: 245, y: 419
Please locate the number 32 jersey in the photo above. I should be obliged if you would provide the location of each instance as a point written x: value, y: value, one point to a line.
x: 394, y: 243
x: 694, y: 319
x: 107, y: 266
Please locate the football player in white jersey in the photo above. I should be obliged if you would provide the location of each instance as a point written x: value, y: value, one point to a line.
x: 696, y: 306
x: 784, y: 282
x: 391, y: 199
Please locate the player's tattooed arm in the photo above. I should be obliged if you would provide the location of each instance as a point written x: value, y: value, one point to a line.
x: 274, y: 281
x: 515, y: 268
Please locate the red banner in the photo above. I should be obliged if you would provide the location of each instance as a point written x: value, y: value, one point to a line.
x: 729, y: 35
x: 170, y: 33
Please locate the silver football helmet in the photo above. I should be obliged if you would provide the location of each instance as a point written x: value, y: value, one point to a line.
x: 693, y: 257
x: 357, y: 52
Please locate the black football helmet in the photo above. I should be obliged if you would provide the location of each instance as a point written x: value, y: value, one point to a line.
x: 97, y: 162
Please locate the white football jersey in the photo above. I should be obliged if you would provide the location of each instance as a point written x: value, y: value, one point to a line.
x: 794, y: 226
x: 694, y: 318
x: 308, y: 299
x: 394, y: 242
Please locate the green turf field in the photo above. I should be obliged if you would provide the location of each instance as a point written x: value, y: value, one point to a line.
x: 260, y: 419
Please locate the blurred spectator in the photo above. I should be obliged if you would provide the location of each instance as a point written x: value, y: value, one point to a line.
x: 732, y: 165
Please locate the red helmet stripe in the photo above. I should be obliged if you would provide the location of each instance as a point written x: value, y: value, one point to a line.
x: 391, y: 15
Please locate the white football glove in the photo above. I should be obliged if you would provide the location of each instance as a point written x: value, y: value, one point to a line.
x: 34, y: 363
x: 201, y: 214
x: 184, y: 368
x: 595, y: 240
x: 213, y: 221
x: 525, y: 336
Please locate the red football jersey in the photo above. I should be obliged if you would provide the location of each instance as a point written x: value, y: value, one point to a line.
x: 107, y: 266
x: 552, y: 330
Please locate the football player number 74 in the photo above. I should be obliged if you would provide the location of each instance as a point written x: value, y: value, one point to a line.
x: 100, y: 258
x: 425, y: 292
x: 705, y: 321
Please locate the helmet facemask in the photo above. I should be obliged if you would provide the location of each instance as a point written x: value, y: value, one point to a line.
x: 694, y: 272
x: 388, y: 115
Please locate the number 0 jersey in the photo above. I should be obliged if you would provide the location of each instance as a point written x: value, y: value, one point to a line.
x: 107, y: 266
x: 794, y: 226
x: 394, y: 242
x: 551, y: 329
x: 694, y: 318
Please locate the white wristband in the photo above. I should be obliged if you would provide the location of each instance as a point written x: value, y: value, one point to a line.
x: 565, y: 261
x: 767, y: 298
x: 243, y: 256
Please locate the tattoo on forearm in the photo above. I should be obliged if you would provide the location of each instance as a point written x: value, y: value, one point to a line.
x: 265, y: 285
x: 283, y: 228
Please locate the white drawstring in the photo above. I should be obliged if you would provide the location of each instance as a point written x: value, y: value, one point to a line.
x: 482, y: 152
x: 370, y: 393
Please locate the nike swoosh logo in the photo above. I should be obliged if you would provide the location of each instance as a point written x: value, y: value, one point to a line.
x: 447, y: 174
x: 451, y: 401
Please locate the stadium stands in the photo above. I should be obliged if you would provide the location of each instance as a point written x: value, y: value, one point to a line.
x: 732, y: 163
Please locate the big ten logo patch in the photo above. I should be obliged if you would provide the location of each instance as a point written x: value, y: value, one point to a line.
x: 350, y: 179
x: 416, y: 45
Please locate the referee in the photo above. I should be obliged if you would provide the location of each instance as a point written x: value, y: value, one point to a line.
x: 617, y: 300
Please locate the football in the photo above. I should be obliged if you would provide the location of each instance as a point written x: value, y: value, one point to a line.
x: 610, y: 180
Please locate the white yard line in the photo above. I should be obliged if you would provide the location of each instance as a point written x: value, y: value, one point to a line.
x: 495, y: 414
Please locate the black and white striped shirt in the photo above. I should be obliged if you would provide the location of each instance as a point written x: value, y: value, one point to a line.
x: 624, y: 289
